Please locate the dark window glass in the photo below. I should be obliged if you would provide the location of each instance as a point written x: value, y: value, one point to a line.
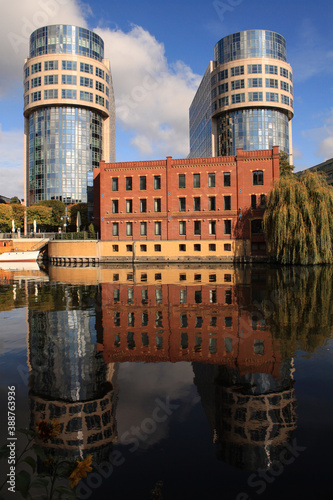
x: 143, y: 182
x: 128, y: 183
x: 157, y: 182
x: 226, y: 179
x: 196, y: 180
x: 197, y: 203
x: 227, y: 202
x: 227, y: 227
x: 212, y: 203
x: 197, y: 227
x: 211, y: 180
x: 253, y: 201
x: 181, y: 181
x: 182, y: 204
x: 114, y: 183
x: 258, y: 178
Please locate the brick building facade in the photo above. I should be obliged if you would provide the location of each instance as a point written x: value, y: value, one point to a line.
x: 198, y: 206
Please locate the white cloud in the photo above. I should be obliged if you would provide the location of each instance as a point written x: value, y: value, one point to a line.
x: 152, y: 95
x: 140, y: 385
x: 19, y: 19
x: 322, y: 137
x: 11, y: 157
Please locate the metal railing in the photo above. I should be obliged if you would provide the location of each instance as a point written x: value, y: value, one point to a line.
x: 83, y: 235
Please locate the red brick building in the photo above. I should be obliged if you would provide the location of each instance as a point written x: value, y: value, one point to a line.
x: 189, y: 204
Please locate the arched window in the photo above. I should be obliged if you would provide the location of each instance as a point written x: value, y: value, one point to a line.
x: 258, y: 178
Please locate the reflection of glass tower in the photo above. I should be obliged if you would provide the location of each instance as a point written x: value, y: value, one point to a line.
x: 252, y: 415
x: 69, y: 113
x: 69, y: 378
x: 245, y: 99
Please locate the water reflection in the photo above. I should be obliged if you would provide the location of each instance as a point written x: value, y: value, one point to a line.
x: 69, y: 379
x: 239, y: 327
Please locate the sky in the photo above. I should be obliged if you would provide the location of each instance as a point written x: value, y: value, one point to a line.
x: 159, y: 52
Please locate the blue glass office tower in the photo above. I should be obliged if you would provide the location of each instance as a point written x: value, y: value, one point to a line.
x: 245, y: 99
x: 69, y: 113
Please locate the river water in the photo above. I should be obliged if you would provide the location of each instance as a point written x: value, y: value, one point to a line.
x: 182, y: 382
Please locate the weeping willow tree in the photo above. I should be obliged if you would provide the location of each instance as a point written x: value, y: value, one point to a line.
x: 299, y: 220
x: 299, y: 311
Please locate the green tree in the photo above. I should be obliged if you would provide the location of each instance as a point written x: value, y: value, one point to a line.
x: 72, y: 212
x: 285, y: 168
x: 58, y: 211
x: 15, y: 200
x: 41, y: 214
x: 299, y: 220
x: 6, y: 217
x: 18, y: 212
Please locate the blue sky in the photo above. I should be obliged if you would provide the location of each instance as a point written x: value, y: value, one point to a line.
x: 159, y: 52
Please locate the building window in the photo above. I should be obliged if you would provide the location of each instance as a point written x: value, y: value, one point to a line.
x: 143, y: 277
x: 100, y: 73
x: 228, y: 345
x: 237, y: 98
x: 157, y: 182
x: 68, y: 94
x: 143, y: 205
x: 284, y: 72
x: 254, y: 82
x: 51, y: 94
x: 183, y: 297
x: 197, y: 296
x: 182, y: 247
x: 284, y: 99
x: 212, y: 203
x: 272, y: 97
x: 227, y: 247
x: 128, y: 183
x: 197, y: 247
x: 143, y: 228
x: 36, y: 82
x: 143, y: 182
x: 99, y: 86
x: 253, y: 201
x: 237, y: 70
x: 50, y: 65
x: 255, y: 96
x: 36, y: 68
x: 284, y: 86
x: 181, y: 181
x: 272, y: 83
x: 254, y: 68
x: 129, y: 248
x: 129, y: 228
x: 86, y: 82
x: 258, y: 347
x: 182, y: 277
x: 257, y: 226
x: 212, y: 278
x: 212, y: 247
x: 115, y: 248
x: 270, y: 69
x: 115, y: 206
x: 227, y: 227
x: 223, y: 88
x: 158, y: 228
x: 115, y: 229
x: 36, y: 96
x: 68, y: 79
x: 182, y: 204
x: 143, y: 248
x: 196, y: 180
x: 86, y: 96
x: 237, y: 84
x: 227, y: 278
x: 129, y: 206
x: 212, y: 227
x: 157, y: 204
x: 227, y: 202
x: 157, y: 248
x: 86, y: 68
x: 262, y: 201
x: 224, y: 101
x: 197, y: 227
x: 226, y: 179
x: 182, y: 227
x: 258, y: 178
x: 197, y: 204
x: 116, y: 277
x: 114, y: 183
x: 211, y: 180
x: 228, y: 297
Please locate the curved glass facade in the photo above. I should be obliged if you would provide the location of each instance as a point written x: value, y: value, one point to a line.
x: 250, y: 43
x: 65, y: 143
x: 252, y: 129
x: 65, y: 39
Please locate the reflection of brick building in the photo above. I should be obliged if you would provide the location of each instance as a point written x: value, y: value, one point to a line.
x: 205, y: 207
x: 203, y: 316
